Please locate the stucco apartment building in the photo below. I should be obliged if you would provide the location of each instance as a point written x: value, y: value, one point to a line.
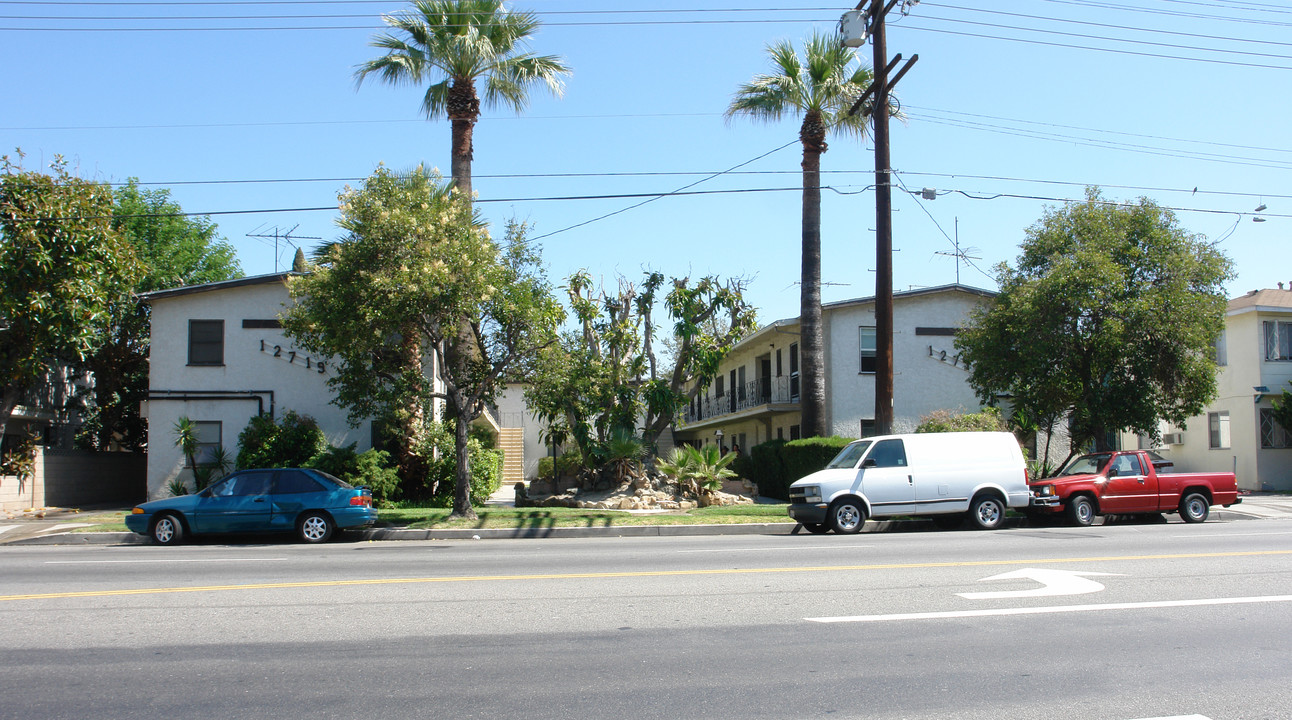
x: 1237, y: 432
x: 755, y: 397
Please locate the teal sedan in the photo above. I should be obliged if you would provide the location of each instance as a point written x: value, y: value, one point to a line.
x: 310, y: 503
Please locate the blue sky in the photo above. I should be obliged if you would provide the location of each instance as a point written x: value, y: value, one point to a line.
x: 1013, y: 105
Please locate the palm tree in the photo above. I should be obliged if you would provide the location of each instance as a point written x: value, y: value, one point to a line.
x: 453, y: 43
x: 821, y: 87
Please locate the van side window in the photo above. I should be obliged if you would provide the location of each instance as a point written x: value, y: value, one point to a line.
x: 888, y: 453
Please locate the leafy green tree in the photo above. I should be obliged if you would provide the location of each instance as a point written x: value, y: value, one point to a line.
x: 294, y: 440
x: 174, y: 250
x: 600, y: 382
x: 986, y: 420
x: 391, y: 302
x: 62, y: 268
x: 1283, y: 409
x: 821, y: 86
x: 1108, y: 319
x: 452, y: 44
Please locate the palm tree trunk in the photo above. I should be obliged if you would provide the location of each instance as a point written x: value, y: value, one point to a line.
x: 463, y: 111
x: 811, y: 345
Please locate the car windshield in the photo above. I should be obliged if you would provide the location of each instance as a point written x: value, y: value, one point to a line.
x: 848, y: 457
x: 1087, y: 464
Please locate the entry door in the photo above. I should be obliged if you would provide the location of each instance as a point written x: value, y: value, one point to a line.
x: 887, y: 483
x: 1129, y: 489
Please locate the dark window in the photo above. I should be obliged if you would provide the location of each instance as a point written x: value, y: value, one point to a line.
x: 867, y: 428
x: 717, y: 387
x: 209, y: 440
x: 794, y: 373
x: 261, y: 325
x: 253, y: 484
x: 888, y: 453
x: 1273, y: 435
x: 795, y: 432
x: 292, y: 482
x: 779, y: 369
x: 205, y: 342
x: 869, y: 349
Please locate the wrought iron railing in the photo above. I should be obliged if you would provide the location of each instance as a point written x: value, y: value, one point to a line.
x: 759, y: 392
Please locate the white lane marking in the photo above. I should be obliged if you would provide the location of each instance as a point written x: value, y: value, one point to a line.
x: 1180, y: 717
x: 64, y: 526
x: 157, y: 561
x: 1053, y: 582
x: 795, y: 548
x: 1224, y: 535
x: 5, y: 528
x: 1052, y: 609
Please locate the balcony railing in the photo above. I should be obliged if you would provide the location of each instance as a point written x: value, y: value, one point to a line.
x: 760, y: 392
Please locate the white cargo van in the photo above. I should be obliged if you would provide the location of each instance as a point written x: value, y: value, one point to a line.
x: 943, y: 475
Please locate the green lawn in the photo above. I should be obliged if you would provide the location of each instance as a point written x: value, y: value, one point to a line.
x: 493, y: 516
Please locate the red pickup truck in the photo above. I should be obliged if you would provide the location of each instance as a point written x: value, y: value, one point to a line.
x: 1128, y: 483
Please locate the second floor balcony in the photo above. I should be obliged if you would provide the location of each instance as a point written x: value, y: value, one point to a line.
x: 762, y: 395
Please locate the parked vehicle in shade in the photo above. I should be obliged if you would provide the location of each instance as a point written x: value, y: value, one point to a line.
x: 310, y: 503
x: 1130, y: 483
x: 947, y: 476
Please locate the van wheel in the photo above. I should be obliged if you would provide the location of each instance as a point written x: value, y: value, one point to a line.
x: 847, y: 517
x: 816, y: 528
x: 1081, y: 511
x: 1194, y: 508
x: 987, y: 512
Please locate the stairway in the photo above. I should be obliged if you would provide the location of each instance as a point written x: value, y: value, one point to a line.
x: 512, y: 443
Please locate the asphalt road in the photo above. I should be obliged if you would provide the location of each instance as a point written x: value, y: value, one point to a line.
x: 1114, y: 622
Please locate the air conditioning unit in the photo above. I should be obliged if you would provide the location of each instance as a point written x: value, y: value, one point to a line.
x: 1174, y: 438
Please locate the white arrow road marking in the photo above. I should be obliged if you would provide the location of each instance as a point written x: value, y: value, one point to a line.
x: 1053, y: 609
x: 1053, y: 582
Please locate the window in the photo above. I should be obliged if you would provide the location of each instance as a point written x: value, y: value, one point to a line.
x: 1278, y: 340
x: 1219, y: 354
x: 1273, y: 435
x: 868, y: 349
x: 795, y: 432
x: 717, y: 387
x: 1218, y: 429
x: 888, y: 453
x: 208, y: 441
x: 205, y: 342
x: 292, y: 482
x: 867, y: 428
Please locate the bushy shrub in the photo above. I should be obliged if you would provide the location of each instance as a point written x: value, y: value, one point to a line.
x: 486, y: 475
x: 988, y: 420
x: 806, y: 456
x: 291, y: 442
x: 371, y: 469
x: 567, y: 465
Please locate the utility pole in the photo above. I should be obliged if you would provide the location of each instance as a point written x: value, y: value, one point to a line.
x: 879, y: 111
x: 287, y: 237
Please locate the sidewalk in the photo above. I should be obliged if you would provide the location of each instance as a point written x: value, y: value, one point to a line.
x: 54, y: 526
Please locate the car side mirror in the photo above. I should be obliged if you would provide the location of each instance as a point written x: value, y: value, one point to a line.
x: 1112, y: 472
x: 870, y: 463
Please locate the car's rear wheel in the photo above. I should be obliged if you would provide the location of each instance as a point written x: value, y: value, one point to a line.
x: 315, y: 527
x: 167, y: 530
x: 1081, y: 511
x: 847, y: 517
x: 987, y: 512
x: 1194, y: 508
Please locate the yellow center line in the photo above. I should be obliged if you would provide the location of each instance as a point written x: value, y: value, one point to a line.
x: 634, y: 574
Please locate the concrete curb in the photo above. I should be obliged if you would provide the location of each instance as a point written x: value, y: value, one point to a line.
x: 530, y: 533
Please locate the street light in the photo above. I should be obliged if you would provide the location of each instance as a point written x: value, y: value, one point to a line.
x: 718, y: 434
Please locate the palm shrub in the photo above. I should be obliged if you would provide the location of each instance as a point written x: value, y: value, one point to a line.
x: 697, y: 470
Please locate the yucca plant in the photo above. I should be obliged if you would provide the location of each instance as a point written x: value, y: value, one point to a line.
x: 697, y: 470
x: 177, y: 487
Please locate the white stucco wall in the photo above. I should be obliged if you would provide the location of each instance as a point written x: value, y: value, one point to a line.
x: 513, y: 413
x: 251, y: 369
x: 922, y: 383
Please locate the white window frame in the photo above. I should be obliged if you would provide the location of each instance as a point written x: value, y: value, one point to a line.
x: 1218, y: 437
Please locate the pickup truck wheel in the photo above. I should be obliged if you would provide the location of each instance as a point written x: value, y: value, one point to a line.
x: 1194, y: 508
x: 847, y: 517
x: 1081, y: 511
x: 987, y: 512
x: 816, y: 528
